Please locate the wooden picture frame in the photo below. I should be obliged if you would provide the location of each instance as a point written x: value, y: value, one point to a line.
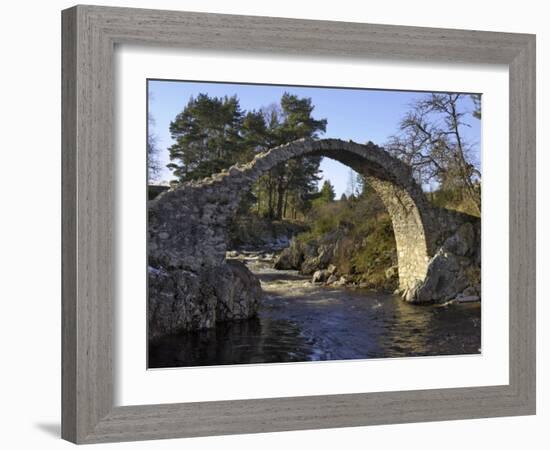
x: 90, y: 34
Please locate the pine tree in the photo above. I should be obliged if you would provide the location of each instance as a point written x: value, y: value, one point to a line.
x: 327, y: 193
x: 296, y: 179
x: 207, y: 135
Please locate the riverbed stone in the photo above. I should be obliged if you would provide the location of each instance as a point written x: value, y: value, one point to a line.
x: 332, y: 279
x: 391, y: 272
x: 320, y: 276
x: 342, y: 281
x: 291, y: 258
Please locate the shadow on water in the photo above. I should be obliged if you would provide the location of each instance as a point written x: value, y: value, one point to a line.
x: 299, y: 321
x: 243, y: 342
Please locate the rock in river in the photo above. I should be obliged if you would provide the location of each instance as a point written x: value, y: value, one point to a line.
x: 182, y: 300
x: 320, y: 276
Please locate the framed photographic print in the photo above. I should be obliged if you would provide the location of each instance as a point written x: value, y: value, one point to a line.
x: 278, y: 224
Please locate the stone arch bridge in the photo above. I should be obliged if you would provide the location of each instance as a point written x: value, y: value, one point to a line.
x: 187, y: 235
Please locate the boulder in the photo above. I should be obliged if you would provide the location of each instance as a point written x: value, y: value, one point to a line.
x: 332, y: 279
x: 180, y: 300
x: 462, y: 242
x: 311, y: 256
x: 391, y: 272
x: 445, y: 278
x: 454, y: 271
x: 320, y: 276
x: 342, y: 281
x: 238, y: 292
x: 316, y: 258
x: 290, y: 258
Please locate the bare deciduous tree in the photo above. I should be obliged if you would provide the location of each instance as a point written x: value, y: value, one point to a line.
x: 430, y: 140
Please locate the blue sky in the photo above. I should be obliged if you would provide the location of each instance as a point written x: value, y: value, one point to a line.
x: 358, y: 114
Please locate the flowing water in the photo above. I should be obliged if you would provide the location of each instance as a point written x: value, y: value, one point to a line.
x: 300, y: 321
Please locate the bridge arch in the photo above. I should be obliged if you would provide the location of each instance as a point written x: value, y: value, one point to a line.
x: 187, y: 224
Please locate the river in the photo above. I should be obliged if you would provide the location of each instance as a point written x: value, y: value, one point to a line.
x: 300, y: 321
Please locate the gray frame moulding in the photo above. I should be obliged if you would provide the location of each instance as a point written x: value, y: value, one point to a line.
x: 90, y: 34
